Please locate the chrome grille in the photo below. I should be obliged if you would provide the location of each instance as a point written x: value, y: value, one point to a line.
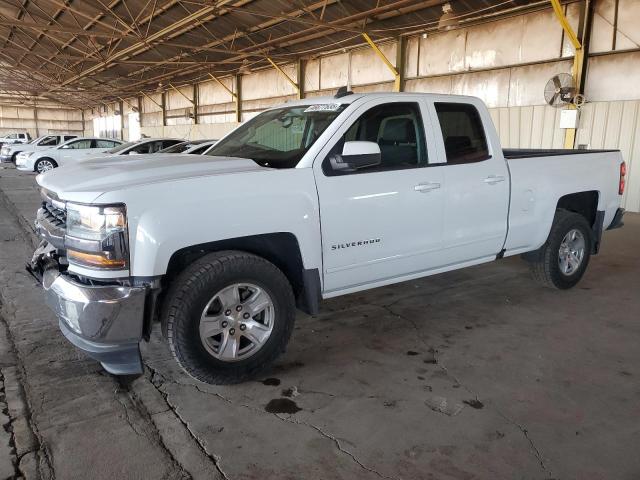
x: 55, y: 216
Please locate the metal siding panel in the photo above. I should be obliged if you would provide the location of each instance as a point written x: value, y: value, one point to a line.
x: 632, y: 200
x: 548, y: 126
x: 599, y: 125
x: 614, y: 123
x: 526, y: 124
x: 585, y: 125
x: 514, y: 127
x: 495, y: 117
x: 505, y: 127
x: 558, y: 133
x: 537, y: 126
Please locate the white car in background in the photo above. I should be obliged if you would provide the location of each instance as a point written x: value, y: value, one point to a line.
x: 9, y: 153
x: 193, y: 147
x: 145, y: 145
x: 68, y: 152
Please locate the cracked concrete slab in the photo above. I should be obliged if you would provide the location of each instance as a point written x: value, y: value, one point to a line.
x: 546, y: 381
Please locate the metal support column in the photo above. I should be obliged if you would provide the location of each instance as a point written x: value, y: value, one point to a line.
x: 301, y: 65
x: 400, y: 57
x: 164, y: 109
x: 35, y: 118
x: 195, y: 103
x: 121, y: 108
x: 238, y: 97
x: 581, y: 51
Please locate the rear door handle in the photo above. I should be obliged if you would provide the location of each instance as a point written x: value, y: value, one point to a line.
x: 493, y: 179
x: 426, y: 187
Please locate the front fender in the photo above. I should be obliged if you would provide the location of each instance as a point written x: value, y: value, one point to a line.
x: 165, y: 217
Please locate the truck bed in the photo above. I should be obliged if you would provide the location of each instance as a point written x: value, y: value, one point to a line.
x: 515, y: 153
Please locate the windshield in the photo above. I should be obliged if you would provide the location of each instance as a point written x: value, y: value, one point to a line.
x: 120, y: 147
x: 278, y: 138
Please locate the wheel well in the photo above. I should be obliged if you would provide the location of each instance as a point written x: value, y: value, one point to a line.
x: 281, y: 249
x: 35, y: 168
x: 584, y: 203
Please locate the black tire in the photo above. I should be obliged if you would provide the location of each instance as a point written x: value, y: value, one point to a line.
x: 190, y: 292
x: 53, y: 162
x: 544, y: 262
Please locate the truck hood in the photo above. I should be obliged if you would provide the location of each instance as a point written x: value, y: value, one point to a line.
x: 88, y: 179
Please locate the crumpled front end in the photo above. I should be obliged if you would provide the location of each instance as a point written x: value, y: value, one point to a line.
x: 105, y: 319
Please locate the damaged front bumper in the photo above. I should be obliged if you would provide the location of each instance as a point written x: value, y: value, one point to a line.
x: 104, y: 321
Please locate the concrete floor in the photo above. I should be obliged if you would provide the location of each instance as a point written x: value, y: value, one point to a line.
x: 475, y: 374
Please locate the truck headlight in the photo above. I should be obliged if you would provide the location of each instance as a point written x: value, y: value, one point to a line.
x: 97, y: 236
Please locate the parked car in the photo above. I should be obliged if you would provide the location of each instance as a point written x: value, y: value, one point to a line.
x: 146, y: 145
x: 194, y: 147
x: 13, y: 138
x: 311, y: 200
x: 8, y: 153
x: 69, y: 151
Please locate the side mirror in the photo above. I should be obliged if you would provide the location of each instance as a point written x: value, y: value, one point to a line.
x: 357, y: 155
x: 133, y: 152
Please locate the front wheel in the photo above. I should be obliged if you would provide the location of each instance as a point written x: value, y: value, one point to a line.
x: 561, y: 262
x: 44, y: 165
x: 228, y: 316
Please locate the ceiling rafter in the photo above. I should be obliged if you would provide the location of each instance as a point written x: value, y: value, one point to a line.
x: 85, y: 53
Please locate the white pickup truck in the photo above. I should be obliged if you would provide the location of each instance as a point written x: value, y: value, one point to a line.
x: 314, y: 199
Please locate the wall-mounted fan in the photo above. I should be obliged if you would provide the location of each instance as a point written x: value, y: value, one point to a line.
x: 560, y: 90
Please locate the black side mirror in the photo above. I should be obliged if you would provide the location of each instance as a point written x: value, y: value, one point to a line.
x: 357, y: 155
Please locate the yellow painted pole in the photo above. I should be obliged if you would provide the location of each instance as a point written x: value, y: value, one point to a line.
x: 284, y: 74
x: 222, y: 85
x: 378, y: 52
x: 192, y: 102
x: 578, y: 59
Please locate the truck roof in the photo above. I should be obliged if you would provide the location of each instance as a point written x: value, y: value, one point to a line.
x: 352, y: 97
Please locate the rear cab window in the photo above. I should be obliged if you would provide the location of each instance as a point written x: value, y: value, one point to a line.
x: 462, y: 133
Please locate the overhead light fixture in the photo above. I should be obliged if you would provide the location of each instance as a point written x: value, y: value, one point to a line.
x: 447, y: 20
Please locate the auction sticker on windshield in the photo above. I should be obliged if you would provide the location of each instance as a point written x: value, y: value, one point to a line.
x: 323, y: 107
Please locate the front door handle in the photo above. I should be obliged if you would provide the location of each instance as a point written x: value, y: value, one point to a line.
x: 426, y: 187
x: 493, y: 179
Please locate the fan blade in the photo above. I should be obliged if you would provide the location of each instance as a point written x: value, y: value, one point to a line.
x: 556, y: 81
x: 553, y: 99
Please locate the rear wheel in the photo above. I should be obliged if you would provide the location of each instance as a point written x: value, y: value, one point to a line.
x: 44, y: 165
x: 228, y: 316
x: 562, y: 260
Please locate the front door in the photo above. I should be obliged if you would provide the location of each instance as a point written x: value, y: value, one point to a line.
x: 384, y: 222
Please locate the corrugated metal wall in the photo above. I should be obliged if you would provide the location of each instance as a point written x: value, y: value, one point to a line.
x: 603, y: 125
x: 49, y: 119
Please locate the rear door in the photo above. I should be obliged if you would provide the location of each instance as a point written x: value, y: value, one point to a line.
x: 382, y: 223
x: 74, y: 150
x: 477, y: 184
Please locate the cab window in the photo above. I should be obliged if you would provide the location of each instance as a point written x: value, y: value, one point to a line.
x: 49, y: 141
x: 462, y: 133
x: 397, y: 129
